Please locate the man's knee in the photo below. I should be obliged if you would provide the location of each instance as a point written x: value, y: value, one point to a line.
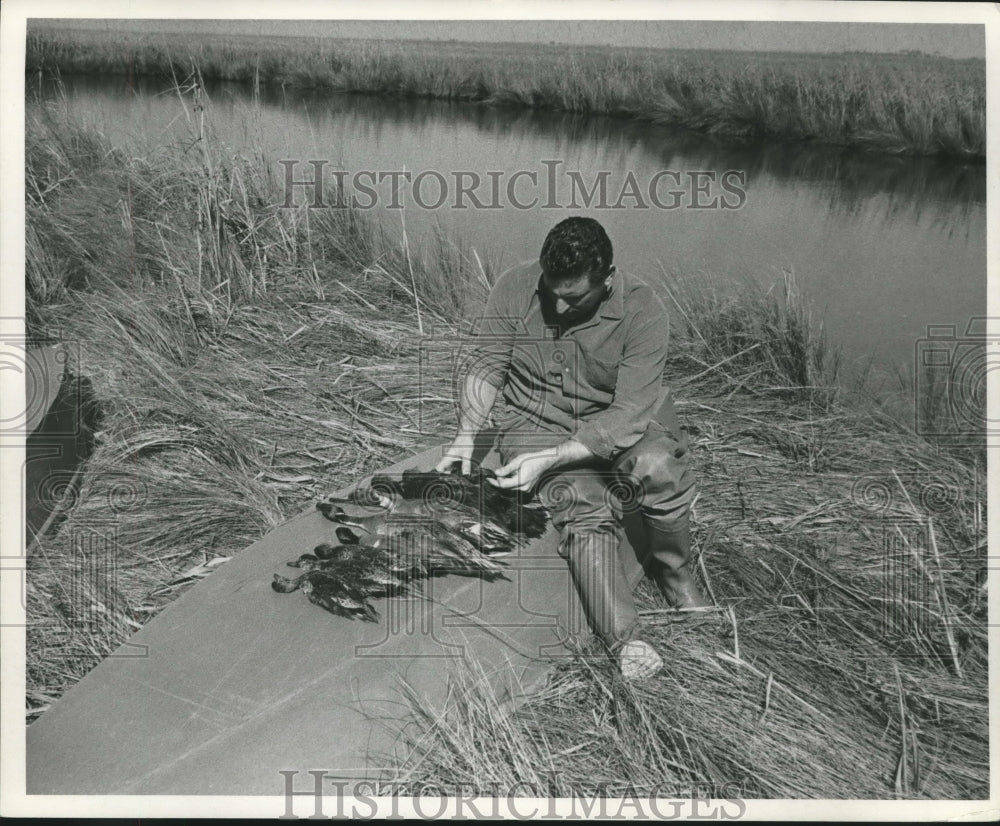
x: 657, y: 471
x: 659, y: 451
x: 578, y: 497
x: 589, y: 539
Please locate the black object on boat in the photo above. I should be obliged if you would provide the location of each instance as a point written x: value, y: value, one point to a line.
x: 343, y: 578
x: 428, y: 524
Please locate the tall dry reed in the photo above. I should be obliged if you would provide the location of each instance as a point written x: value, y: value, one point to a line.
x: 907, y: 104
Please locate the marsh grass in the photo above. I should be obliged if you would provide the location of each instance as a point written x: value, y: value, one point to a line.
x: 248, y: 359
x: 758, y: 340
x: 815, y: 680
x: 906, y: 104
x: 849, y: 655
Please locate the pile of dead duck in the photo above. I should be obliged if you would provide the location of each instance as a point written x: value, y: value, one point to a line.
x: 421, y: 525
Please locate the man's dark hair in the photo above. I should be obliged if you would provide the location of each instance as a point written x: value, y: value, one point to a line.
x: 574, y: 247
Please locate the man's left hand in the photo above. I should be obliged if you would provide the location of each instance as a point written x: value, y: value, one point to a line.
x: 524, y: 472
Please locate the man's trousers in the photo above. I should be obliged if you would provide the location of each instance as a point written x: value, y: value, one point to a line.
x: 653, y: 478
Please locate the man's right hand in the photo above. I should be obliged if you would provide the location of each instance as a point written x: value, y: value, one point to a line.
x: 474, y: 409
x: 459, y: 451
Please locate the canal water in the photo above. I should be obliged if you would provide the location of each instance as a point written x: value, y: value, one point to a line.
x: 884, y: 247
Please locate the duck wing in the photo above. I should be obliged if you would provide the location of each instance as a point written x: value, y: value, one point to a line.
x: 345, y: 581
x: 329, y: 590
x: 447, y: 496
x: 436, y: 546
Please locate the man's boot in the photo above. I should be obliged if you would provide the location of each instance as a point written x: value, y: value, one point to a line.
x: 596, y: 568
x: 670, y: 558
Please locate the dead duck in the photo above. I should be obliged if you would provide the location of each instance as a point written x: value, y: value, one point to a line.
x: 471, y: 510
x: 343, y: 578
x: 426, y: 524
x: 455, y: 532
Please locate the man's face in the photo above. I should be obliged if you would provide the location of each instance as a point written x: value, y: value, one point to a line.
x: 573, y: 299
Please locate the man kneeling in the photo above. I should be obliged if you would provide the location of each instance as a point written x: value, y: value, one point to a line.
x: 577, y: 352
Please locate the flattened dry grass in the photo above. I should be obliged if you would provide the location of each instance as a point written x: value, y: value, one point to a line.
x: 847, y: 559
x: 848, y: 658
x: 248, y: 359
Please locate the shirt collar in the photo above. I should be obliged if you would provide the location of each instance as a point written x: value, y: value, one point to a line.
x: 614, y: 304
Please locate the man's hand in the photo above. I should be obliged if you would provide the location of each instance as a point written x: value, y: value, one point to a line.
x: 524, y: 472
x: 459, y: 451
x: 475, y: 405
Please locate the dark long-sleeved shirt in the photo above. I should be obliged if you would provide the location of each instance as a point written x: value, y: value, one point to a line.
x: 600, y: 382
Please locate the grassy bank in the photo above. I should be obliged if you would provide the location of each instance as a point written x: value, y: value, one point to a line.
x: 249, y: 359
x: 814, y: 679
x: 906, y: 104
x: 246, y: 359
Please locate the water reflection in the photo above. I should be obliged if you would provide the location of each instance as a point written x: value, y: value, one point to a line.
x: 883, y: 245
x: 851, y: 177
x: 914, y: 184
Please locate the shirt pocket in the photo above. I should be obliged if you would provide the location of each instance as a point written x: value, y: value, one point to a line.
x: 530, y: 360
x: 601, y: 374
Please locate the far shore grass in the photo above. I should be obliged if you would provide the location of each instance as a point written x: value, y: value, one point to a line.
x: 910, y: 104
x: 249, y: 359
